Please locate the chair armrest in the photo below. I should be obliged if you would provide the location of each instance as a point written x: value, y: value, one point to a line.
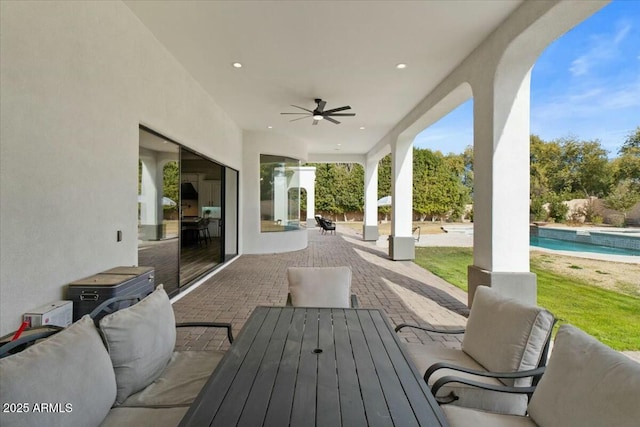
x: 500, y: 388
x: 105, y: 306
x: 29, y: 337
x: 486, y: 374
x: 354, y: 301
x: 227, y: 326
x: 439, y: 331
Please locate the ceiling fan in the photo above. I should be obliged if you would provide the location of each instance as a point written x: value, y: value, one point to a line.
x: 321, y: 114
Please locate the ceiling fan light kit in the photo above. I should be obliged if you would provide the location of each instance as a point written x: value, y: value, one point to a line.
x: 319, y: 112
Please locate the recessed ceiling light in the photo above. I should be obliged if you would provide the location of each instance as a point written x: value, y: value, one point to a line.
x: 269, y: 127
x: 361, y: 127
x: 401, y: 66
x: 338, y: 145
x: 237, y: 65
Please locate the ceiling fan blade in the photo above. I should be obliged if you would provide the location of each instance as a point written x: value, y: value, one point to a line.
x: 331, y: 120
x: 315, y: 122
x: 300, y: 118
x: 321, y: 105
x: 338, y: 114
x: 306, y: 114
x: 335, y: 110
x: 311, y: 111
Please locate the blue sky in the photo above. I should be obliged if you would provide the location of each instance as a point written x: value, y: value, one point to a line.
x: 586, y: 84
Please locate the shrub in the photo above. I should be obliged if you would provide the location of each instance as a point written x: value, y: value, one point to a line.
x: 557, y: 209
x: 537, y: 210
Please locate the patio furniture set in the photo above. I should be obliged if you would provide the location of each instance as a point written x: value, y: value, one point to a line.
x: 320, y: 360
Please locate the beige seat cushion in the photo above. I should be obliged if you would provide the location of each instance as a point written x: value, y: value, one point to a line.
x: 145, y: 417
x: 71, y: 368
x: 465, y: 417
x: 586, y: 384
x: 320, y: 286
x: 505, y: 335
x: 180, y: 382
x: 140, y: 340
x: 425, y: 355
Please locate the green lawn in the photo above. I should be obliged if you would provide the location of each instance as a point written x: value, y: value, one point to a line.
x: 611, y: 317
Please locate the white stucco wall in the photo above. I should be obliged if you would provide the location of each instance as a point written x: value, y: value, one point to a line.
x: 77, y: 79
x: 255, y: 242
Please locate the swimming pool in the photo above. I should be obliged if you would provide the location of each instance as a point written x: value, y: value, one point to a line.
x: 564, y: 245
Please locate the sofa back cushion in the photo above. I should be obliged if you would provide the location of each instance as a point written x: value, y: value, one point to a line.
x: 140, y: 340
x: 66, y: 380
x: 320, y: 286
x: 505, y: 335
x: 586, y: 384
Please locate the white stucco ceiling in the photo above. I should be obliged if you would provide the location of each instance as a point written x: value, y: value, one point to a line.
x: 344, y: 52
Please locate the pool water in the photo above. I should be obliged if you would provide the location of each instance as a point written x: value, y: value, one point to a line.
x: 564, y: 245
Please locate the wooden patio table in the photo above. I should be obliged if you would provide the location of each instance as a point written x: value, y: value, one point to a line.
x: 315, y: 366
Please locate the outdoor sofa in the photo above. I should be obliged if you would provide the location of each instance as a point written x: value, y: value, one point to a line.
x: 123, y: 373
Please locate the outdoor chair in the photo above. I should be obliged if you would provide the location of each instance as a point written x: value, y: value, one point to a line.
x: 327, y: 226
x: 320, y: 287
x: 505, y: 344
x: 586, y: 384
x: 318, y: 223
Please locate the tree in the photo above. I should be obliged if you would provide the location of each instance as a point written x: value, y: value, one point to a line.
x: 349, y: 192
x: 632, y: 142
x: 467, y: 178
x: 325, y: 183
x: 569, y: 167
x: 623, y: 197
x: 437, y: 183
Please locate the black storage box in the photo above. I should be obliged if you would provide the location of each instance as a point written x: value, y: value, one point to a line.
x: 90, y: 292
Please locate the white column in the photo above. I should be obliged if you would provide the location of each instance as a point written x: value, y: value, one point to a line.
x: 308, y: 182
x: 401, y: 243
x: 370, y: 226
x: 280, y: 199
x: 501, y: 188
x: 151, y: 199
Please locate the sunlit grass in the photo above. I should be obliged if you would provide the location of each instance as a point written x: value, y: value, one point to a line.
x: 611, y: 317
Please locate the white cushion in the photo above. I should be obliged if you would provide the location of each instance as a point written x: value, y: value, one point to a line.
x: 181, y: 381
x: 151, y: 417
x: 586, y: 384
x: 71, y: 368
x: 425, y: 355
x: 505, y: 335
x: 320, y: 286
x: 465, y: 417
x: 140, y: 340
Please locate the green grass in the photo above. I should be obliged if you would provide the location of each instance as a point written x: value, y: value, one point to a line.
x: 611, y: 317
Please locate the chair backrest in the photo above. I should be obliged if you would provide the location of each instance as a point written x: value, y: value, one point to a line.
x: 505, y: 335
x: 586, y: 384
x: 320, y: 286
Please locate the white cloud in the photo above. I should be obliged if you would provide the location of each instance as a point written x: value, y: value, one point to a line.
x: 604, y: 47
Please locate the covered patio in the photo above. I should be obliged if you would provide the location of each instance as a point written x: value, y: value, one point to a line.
x: 406, y: 292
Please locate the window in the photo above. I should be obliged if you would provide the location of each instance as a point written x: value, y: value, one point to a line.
x: 279, y: 193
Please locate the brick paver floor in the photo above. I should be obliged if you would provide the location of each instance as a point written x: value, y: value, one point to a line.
x: 402, y: 289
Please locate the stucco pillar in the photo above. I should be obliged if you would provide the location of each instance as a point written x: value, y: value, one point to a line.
x: 308, y: 181
x: 401, y: 243
x: 280, y: 196
x: 151, y: 199
x: 370, y: 226
x: 501, y: 187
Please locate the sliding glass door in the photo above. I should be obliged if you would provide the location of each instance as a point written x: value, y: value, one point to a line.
x: 158, y: 198
x: 201, y: 215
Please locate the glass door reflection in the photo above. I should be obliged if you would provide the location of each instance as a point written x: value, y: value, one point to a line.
x: 201, y: 206
x: 158, y: 235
